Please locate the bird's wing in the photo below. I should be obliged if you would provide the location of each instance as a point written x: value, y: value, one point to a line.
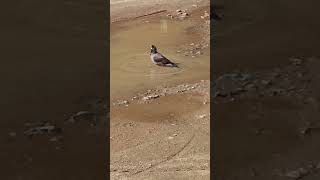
x: 159, y: 58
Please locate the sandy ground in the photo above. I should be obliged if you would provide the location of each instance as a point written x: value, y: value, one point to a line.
x: 164, y: 132
x: 45, y: 78
x: 266, y: 106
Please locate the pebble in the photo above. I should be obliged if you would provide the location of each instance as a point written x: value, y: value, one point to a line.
x: 202, y: 116
x: 296, y: 61
x: 84, y: 115
x: 150, y: 97
x: 13, y: 134
x: 45, y: 129
x: 297, y: 174
x: 265, y: 82
x: 53, y: 139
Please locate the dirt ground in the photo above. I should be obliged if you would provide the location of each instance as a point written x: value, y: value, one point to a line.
x: 266, y: 108
x: 163, y: 132
x: 53, y: 64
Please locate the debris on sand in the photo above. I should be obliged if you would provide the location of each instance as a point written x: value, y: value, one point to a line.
x: 296, y: 61
x: 297, y: 174
x: 146, y: 98
x: 180, y: 14
x: 282, y: 81
x: 202, y: 116
x: 83, y: 116
x: 12, y: 134
x: 43, y: 129
x: 205, y: 16
x: 121, y: 102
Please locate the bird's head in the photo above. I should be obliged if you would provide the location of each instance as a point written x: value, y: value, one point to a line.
x: 153, y: 49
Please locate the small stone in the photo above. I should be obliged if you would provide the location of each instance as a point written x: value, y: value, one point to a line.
x: 201, y: 116
x: 296, y: 61
x: 178, y: 10
x: 53, y: 139
x: 191, y: 44
x: 13, y: 134
x: 170, y: 137
x: 175, y: 134
x: 275, y: 75
x: 297, y: 174
x: 150, y: 97
x: 265, y: 82
x: 45, y: 129
x: 250, y: 86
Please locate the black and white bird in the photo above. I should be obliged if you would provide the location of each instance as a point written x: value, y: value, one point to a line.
x: 159, y: 59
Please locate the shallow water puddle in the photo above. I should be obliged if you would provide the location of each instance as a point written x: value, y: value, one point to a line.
x: 131, y: 67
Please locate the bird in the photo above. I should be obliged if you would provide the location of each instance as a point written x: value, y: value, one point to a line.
x: 158, y: 59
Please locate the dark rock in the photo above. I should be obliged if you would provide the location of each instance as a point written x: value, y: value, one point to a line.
x: 296, y: 61
x: 297, y: 174
x: 45, y: 129
x: 83, y: 116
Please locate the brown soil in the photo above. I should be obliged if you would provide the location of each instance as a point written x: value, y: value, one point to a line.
x: 266, y: 127
x: 164, y: 132
x: 45, y: 79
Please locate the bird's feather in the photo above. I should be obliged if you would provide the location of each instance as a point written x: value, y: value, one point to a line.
x: 159, y: 58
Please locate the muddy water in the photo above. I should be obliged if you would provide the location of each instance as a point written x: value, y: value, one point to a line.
x: 161, y: 111
x: 131, y: 67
